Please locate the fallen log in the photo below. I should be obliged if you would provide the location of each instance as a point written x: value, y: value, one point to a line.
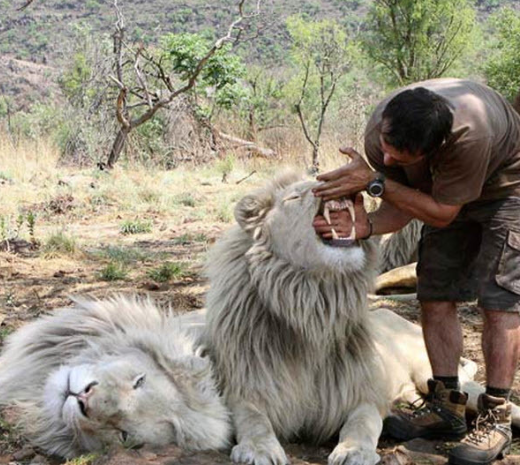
x: 247, y: 144
x: 402, y: 277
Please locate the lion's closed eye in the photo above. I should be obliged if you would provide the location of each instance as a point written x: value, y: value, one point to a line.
x: 291, y: 197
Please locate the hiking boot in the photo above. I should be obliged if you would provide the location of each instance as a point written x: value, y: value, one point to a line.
x: 491, y: 437
x: 441, y: 415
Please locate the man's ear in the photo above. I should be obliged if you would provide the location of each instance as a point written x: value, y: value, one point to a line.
x: 251, y: 211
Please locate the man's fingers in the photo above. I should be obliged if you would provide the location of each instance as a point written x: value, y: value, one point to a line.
x: 334, y: 193
x: 323, y: 229
x: 333, y: 175
x: 350, y: 151
x: 328, y: 185
x: 359, y: 206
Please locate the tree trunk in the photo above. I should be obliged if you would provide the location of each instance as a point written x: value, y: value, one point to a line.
x: 315, y: 158
x: 253, y: 132
x: 516, y: 103
x: 117, y: 147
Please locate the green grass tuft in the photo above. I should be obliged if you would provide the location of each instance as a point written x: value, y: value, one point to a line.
x: 83, y: 460
x: 168, y: 271
x: 135, y: 227
x: 4, y: 332
x: 185, y: 199
x: 59, y: 244
x: 224, y: 213
x: 124, y: 255
x: 113, y: 272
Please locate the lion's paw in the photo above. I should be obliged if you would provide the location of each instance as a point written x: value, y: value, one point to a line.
x: 351, y: 455
x: 261, y: 453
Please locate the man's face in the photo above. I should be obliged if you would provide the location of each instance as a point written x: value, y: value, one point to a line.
x: 394, y: 157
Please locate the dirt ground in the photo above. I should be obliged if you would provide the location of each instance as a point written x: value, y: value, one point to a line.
x: 34, y: 282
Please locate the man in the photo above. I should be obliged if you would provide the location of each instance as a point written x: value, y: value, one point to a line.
x: 447, y: 152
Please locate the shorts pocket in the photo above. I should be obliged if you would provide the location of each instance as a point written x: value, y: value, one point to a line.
x: 508, y: 275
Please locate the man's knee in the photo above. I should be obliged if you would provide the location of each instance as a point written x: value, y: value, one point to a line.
x: 438, y: 309
x: 502, y: 319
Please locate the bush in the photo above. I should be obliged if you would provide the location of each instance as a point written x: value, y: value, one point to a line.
x: 503, y: 66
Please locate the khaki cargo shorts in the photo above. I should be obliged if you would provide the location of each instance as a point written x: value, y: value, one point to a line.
x: 476, y: 257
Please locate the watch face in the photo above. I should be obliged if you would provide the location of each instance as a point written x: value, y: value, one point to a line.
x: 376, y: 189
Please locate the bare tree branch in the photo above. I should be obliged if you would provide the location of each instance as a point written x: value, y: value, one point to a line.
x: 146, y: 67
x: 23, y: 7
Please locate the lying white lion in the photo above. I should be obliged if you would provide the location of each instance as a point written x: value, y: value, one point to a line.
x: 113, y: 371
x: 297, y: 353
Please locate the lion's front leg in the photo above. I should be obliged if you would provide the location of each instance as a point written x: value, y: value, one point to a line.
x: 256, y: 442
x: 358, y: 438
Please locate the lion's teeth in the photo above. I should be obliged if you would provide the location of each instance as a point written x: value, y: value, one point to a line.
x: 350, y: 207
x: 326, y: 214
x: 334, y: 234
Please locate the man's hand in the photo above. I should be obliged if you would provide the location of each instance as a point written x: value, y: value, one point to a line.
x: 346, y: 180
x: 342, y: 222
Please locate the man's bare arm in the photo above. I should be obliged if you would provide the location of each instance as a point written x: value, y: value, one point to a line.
x: 388, y: 219
x: 355, y: 176
x: 419, y: 205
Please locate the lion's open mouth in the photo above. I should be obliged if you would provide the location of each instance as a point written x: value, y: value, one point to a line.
x: 339, y: 205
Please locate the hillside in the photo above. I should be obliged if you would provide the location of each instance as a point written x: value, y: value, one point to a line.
x: 43, y: 33
x: 39, y: 32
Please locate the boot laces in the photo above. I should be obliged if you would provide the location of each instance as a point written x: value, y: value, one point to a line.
x: 483, y: 425
x: 422, y: 407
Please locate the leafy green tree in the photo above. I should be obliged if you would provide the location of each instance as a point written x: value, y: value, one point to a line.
x: 503, y: 67
x: 262, y: 103
x: 219, y: 84
x: 415, y: 40
x: 322, y: 54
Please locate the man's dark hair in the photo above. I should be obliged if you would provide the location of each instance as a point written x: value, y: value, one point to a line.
x: 417, y: 120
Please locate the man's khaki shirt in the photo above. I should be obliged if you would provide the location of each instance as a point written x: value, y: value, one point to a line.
x: 480, y: 160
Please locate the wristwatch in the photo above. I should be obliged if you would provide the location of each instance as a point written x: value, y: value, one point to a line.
x: 376, y: 187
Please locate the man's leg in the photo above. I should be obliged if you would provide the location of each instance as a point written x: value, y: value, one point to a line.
x: 443, y: 337
x: 501, y: 347
x: 445, y: 276
x: 491, y: 438
x: 443, y: 414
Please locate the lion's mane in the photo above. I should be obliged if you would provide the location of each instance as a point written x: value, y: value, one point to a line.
x: 294, y: 340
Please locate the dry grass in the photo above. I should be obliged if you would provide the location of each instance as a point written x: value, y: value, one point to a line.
x: 92, y: 205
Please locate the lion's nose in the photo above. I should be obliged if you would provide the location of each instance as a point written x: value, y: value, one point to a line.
x: 83, y: 406
x: 83, y: 397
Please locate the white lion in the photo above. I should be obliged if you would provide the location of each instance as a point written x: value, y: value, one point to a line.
x: 113, y: 371
x: 297, y: 352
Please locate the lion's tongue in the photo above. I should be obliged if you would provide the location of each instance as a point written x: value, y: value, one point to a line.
x: 337, y: 205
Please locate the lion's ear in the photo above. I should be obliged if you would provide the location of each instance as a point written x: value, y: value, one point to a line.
x: 251, y: 211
